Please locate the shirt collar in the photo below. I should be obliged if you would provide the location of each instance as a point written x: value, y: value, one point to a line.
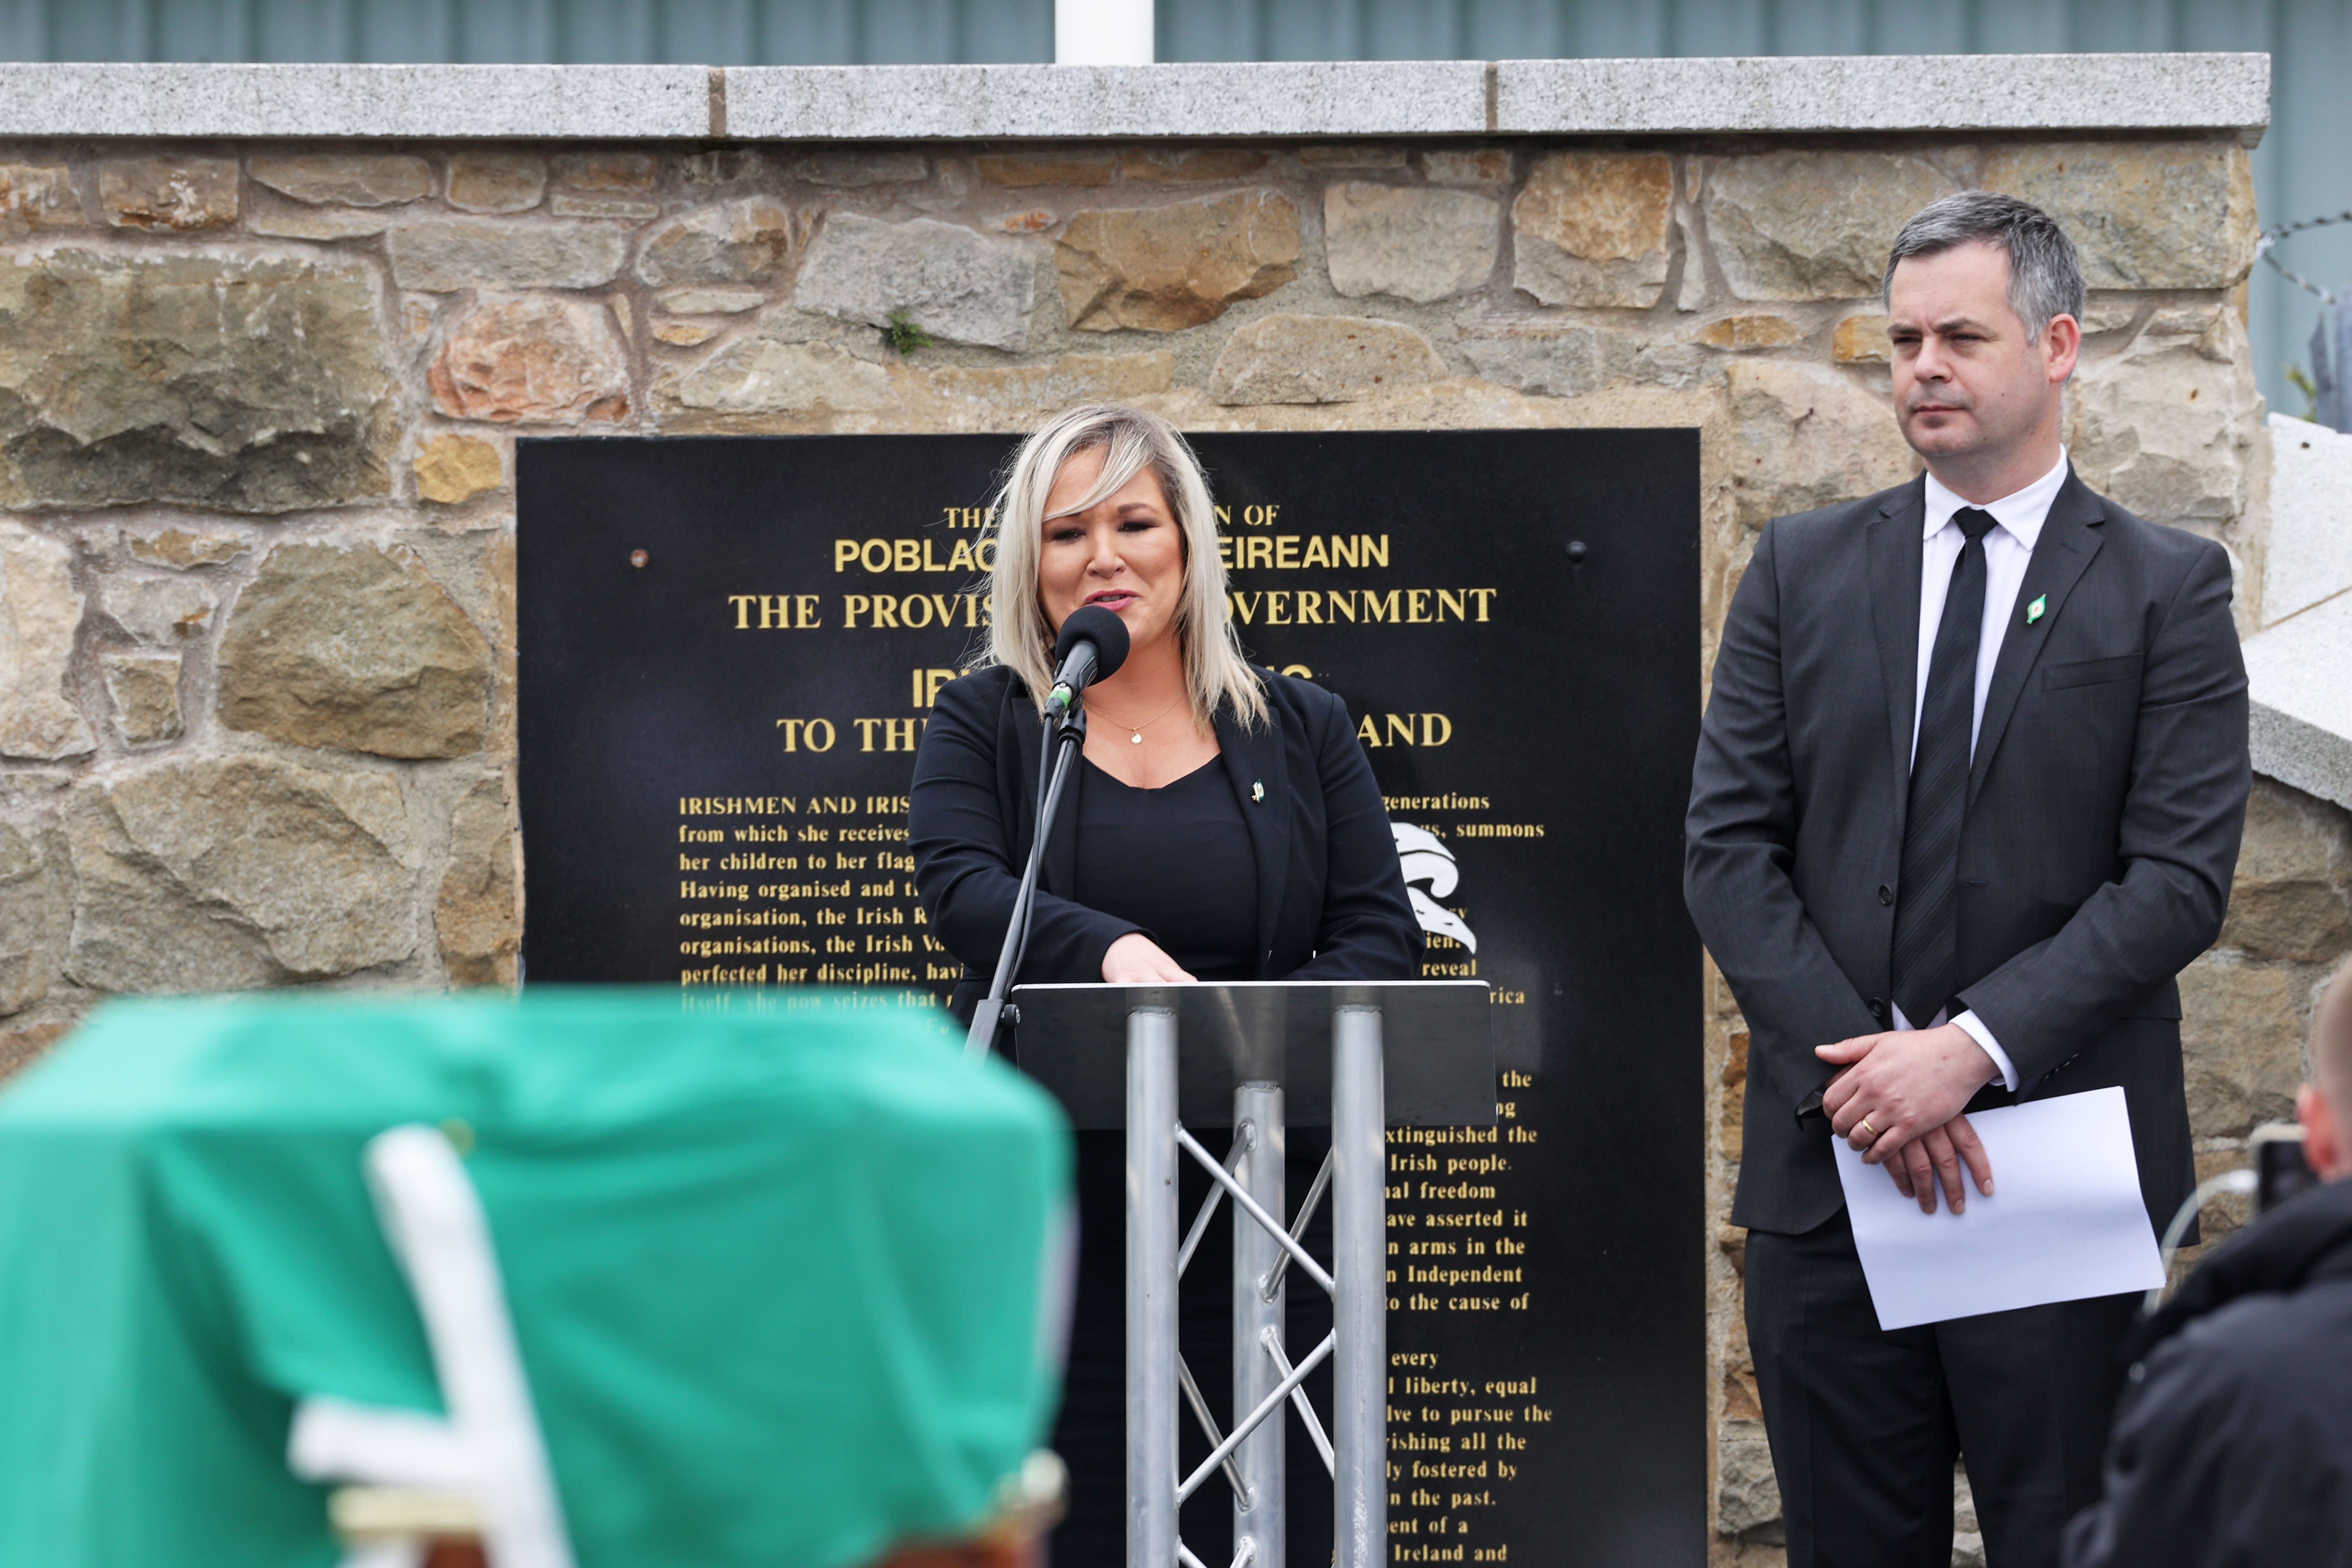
x: 2022, y: 512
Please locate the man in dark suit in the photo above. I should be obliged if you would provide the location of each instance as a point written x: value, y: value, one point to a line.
x: 1967, y: 797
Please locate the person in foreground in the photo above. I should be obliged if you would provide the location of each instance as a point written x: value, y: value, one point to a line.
x: 1223, y: 825
x: 1967, y: 797
x: 2234, y: 1448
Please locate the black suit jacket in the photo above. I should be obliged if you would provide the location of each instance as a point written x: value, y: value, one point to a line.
x: 2106, y: 799
x: 1331, y: 901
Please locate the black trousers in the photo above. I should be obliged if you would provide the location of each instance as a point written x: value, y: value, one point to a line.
x: 1866, y: 1425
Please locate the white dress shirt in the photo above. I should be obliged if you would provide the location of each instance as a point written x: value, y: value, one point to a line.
x: 2008, y: 546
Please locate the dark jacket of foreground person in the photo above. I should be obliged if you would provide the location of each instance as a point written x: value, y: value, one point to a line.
x: 2232, y: 1447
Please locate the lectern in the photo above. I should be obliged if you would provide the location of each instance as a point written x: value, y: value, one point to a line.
x: 1264, y: 1055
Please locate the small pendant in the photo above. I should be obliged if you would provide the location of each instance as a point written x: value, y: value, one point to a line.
x: 1136, y: 739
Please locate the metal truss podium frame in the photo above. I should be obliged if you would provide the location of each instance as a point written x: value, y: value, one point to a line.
x: 1403, y: 1053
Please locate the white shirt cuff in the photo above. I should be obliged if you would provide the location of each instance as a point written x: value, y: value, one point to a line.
x: 1983, y: 1037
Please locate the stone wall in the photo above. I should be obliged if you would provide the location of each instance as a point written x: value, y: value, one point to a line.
x: 258, y: 405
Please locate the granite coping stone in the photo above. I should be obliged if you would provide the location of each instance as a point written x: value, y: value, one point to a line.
x: 2301, y: 722
x: 2209, y: 93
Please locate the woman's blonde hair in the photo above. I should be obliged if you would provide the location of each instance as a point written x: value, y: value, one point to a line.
x: 1216, y: 673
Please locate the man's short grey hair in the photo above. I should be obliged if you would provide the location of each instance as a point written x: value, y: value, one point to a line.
x: 2046, y: 275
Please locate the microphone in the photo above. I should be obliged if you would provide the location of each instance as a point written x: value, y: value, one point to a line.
x: 1092, y: 647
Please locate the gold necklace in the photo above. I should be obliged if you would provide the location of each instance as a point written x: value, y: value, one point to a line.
x: 1135, y: 732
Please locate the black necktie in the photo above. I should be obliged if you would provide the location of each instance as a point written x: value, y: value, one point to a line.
x: 1927, y: 910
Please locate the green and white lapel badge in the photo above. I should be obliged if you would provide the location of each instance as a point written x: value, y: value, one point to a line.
x: 1257, y: 791
x: 2033, y: 611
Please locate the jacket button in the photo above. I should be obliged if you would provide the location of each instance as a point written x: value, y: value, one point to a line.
x: 1885, y: 894
x: 1878, y: 1009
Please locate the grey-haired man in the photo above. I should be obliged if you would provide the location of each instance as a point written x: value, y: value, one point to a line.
x: 1967, y: 797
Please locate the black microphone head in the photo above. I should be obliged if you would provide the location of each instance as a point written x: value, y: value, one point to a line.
x: 1092, y: 623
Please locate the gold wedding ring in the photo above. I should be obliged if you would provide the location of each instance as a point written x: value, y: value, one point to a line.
x: 1864, y: 1125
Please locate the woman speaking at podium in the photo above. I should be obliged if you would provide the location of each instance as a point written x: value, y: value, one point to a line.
x: 1223, y: 825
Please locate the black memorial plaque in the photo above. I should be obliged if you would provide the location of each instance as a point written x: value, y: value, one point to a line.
x: 727, y: 650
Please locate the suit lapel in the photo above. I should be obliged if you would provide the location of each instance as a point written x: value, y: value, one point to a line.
x: 2069, y: 539
x: 1260, y: 777
x: 1894, y: 549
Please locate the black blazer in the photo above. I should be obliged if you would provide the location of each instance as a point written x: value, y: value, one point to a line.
x: 1330, y: 892
x: 2106, y: 799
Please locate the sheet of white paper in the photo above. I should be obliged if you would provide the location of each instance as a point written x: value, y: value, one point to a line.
x: 2065, y: 1221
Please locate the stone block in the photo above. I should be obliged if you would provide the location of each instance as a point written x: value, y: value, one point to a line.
x: 957, y: 284
x: 35, y: 917
x: 222, y: 382
x: 1189, y: 163
x: 1803, y: 436
x: 1321, y: 359
x: 746, y: 241
x: 1057, y: 383
x: 1742, y: 332
x: 854, y: 167
x: 36, y: 196
x: 440, y: 255
x: 535, y: 359
x: 2144, y: 215
x: 1570, y: 362
x: 1168, y: 267
x: 1353, y: 155
x: 144, y: 689
x: 1861, y: 339
x: 186, y: 547
x: 1593, y: 228
x: 712, y: 302
x: 1748, y: 1493
x: 1467, y: 166
x: 762, y: 376
x: 2292, y: 898
x: 357, y: 647
x: 1734, y: 1119
x: 345, y: 179
x: 477, y: 912
x: 1408, y: 240
x: 162, y: 612
x: 607, y: 170
x: 2241, y: 1030
x: 453, y: 469
x: 217, y: 874
x: 2167, y: 427
x: 2310, y: 556
x: 633, y: 209
x: 684, y: 334
x: 327, y: 224
x: 723, y: 165
x: 169, y: 194
x: 1075, y: 166
x: 495, y: 181
x: 1812, y: 224
x: 40, y: 610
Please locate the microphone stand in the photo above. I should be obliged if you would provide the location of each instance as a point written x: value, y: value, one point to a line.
x: 1069, y: 727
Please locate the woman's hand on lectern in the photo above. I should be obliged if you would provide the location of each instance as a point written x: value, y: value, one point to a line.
x: 1136, y: 960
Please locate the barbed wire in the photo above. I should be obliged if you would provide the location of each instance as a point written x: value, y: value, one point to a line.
x: 2271, y: 236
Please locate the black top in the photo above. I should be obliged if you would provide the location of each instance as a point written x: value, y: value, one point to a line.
x: 1328, y: 893
x: 1199, y: 903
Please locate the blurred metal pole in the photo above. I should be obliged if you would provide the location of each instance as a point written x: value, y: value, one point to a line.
x: 1152, y: 1242
x: 1360, y: 1302
x: 1258, y: 1298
